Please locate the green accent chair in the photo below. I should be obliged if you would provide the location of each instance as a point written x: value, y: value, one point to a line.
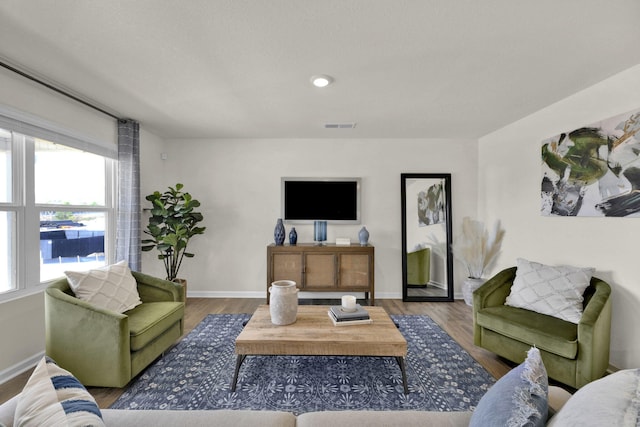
x: 418, y: 267
x: 103, y: 348
x: 573, y: 354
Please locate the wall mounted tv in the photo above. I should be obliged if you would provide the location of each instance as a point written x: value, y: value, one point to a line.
x: 335, y: 200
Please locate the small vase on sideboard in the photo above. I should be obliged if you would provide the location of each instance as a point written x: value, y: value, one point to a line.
x: 363, y: 236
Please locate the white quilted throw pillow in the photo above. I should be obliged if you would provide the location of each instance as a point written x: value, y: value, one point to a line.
x: 553, y: 290
x: 112, y: 287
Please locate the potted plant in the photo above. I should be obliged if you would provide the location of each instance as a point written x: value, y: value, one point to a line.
x: 477, y: 248
x: 172, y: 224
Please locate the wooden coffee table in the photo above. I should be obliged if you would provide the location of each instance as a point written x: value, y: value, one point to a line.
x: 313, y: 334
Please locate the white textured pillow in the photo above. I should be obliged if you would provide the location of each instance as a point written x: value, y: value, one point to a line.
x: 54, y: 397
x: 553, y: 290
x: 112, y: 287
x: 610, y: 401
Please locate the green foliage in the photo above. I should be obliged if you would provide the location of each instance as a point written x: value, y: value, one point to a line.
x: 62, y: 215
x: 172, y: 224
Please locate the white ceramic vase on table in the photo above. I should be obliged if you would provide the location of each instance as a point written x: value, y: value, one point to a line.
x: 283, y: 302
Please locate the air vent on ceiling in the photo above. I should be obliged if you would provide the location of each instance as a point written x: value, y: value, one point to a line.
x: 339, y: 125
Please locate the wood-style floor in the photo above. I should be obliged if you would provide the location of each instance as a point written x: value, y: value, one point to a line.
x: 455, y: 318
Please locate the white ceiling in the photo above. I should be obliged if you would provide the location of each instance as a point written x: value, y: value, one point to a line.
x: 402, y: 68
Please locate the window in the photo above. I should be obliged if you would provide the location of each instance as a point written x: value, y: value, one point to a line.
x: 7, y: 215
x: 70, y: 196
x: 56, y: 211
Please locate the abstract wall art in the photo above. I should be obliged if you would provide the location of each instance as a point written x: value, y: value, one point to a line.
x: 431, y: 205
x: 593, y: 170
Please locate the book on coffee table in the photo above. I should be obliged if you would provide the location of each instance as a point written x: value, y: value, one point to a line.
x: 337, y: 322
x: 340, y: 314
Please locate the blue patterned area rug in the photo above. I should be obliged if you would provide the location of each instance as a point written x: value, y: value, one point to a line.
x: 197, y: 372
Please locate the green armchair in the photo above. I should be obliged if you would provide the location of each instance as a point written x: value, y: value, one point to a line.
x: 573, y: 354
x: 107, y: 349
x: 419, y: 267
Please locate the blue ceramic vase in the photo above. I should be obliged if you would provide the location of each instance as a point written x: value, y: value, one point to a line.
x: 293, y: 236
x: 363, y: 236
x: 279, y: 232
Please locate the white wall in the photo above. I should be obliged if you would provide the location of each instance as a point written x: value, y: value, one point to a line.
x: 238, y: 184
x: 509, y: 190
x: 23, y: 95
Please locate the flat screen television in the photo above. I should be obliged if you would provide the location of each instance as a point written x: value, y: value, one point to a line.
x: 335, y: 200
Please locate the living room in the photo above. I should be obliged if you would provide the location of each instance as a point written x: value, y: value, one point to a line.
x: 495, y: 176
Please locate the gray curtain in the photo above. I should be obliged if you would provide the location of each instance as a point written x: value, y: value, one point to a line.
x: 129, y: 209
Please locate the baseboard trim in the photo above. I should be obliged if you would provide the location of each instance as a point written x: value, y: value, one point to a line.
x: 255, y: 294
x: 17, y: 369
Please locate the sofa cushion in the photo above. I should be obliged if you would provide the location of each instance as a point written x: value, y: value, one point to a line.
x: 610, y: 401
x: 384, y: 418
x: 149, y: 320
x: 198, y: 418
x: 517, y: 399
x: 545, y: 332
x: 8, y: 411
x: 112, y: 287
x: 54, y: 397
x: 553, y: 290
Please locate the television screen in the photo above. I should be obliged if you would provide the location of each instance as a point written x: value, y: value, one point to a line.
x: 336, y: 200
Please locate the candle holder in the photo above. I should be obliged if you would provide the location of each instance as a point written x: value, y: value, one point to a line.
x: 349, y: 303
x: 320, y: 231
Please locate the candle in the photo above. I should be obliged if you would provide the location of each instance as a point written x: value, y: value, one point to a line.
x: 349, y: 303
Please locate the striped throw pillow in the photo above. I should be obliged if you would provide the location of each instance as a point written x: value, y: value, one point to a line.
x: 54, y: 397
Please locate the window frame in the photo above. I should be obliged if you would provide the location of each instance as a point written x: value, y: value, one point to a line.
x: 26, y: 260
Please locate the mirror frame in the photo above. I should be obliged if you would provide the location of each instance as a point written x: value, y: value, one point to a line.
x: 448, y: 230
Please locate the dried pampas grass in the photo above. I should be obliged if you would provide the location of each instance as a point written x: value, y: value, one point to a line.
x: 476, y: 247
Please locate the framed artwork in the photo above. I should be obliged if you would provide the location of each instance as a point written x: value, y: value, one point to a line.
x: 593, y: 170
x: 431, y: 205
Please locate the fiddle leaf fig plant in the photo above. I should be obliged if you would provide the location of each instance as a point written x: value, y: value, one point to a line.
x: 172, y: 224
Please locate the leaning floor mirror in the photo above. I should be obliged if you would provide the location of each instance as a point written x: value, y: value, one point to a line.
x: 427, y: 263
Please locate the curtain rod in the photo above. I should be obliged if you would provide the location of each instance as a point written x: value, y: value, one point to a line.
x: 60, y: 91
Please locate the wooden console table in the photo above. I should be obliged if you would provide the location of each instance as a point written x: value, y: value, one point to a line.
x: 323, y: 268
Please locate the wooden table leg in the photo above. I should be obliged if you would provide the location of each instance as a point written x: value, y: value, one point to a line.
x: 404, y: 374
x: 239, y: 361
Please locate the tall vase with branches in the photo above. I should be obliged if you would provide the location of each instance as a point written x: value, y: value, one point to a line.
x: 172, y: 224
x: 477, y: 248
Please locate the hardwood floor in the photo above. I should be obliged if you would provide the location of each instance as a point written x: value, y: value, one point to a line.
x: 455, y: 318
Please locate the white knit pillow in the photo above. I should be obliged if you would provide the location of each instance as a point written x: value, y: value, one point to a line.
x: 555, y: 291
x: 112, y: 287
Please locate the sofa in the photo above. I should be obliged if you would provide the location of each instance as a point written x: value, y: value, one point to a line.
x: 606, y: 402
x: 230, y: 418
x: 104, y: 348
x: 573, y: 353
x: 522, y: 397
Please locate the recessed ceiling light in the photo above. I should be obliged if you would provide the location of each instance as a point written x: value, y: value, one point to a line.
x: 321, y: 80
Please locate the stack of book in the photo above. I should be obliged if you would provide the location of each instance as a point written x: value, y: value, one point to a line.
x: 341, y: 317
